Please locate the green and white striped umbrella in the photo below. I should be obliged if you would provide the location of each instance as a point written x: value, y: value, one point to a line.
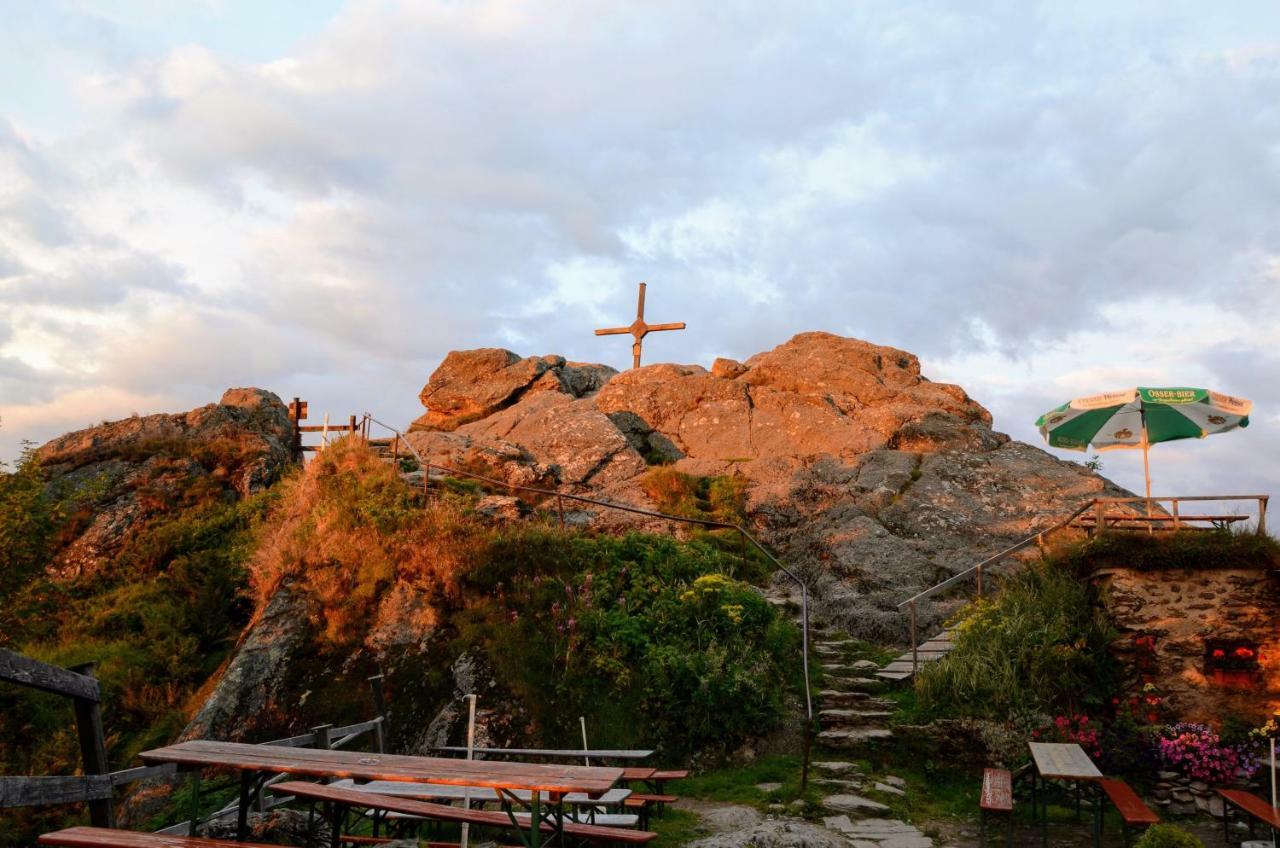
x: 1138, y: 418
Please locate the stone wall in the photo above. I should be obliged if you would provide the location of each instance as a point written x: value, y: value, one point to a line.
x: 1182, y: 609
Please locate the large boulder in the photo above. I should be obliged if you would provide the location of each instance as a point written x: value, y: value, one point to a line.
x: 125, y: 473
x: 472, y: 384
x: 867, y: 476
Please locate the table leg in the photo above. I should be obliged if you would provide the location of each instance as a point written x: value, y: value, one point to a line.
x: 335, y: 822
x: 535, y: 818
x: 1044, y: 814
x: 1097, y: 816
x: 195, y: 803
x: 242, y: 812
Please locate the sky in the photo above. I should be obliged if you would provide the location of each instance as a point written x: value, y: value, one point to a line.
x: 323, y: 198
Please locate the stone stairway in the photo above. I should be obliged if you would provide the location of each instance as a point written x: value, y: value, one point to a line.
x: 930, y: 650
x: 849, y: 712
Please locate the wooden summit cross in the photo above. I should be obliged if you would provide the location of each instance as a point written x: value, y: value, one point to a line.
x: 639, y: 329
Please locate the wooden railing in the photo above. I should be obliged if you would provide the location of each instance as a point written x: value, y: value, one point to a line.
x: 97, y: 786
x: 1173, y: 517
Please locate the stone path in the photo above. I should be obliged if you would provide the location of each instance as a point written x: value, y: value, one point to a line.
x: 878, y: 833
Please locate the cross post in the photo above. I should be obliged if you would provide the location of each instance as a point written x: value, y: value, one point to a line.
x: 639, y: 329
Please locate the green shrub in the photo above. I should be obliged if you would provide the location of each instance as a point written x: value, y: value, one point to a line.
x: 1167, y: 836
x: 645, y: 636
x: 1040, y: 645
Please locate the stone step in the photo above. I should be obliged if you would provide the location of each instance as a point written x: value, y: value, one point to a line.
x: 853, y: 665
x: 878, y: 832
x: 836, y: 767
x: 854, y: 684
x: 855, y: 804
x: 837, y: 698
x: 852, y: 718
x: 853, y: 737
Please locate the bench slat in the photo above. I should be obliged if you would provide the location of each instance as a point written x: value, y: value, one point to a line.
x: 1251, y: 804
x: 997, y: 791
x: 1132, y: 808
x: 442, y: 812
x: 102, y: 837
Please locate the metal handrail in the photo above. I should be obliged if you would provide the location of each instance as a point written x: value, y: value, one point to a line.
x: 976, y: 570
x: 561, y: 496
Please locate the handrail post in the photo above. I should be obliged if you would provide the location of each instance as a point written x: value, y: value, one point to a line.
x: 560, y: 508
x: 1177, y: 524
x: 93, y: 749
x: 979, y: 570
x: 380, y: 706
x: 1262, y: 515
x: 1100, y: 519
x: 915, y: 643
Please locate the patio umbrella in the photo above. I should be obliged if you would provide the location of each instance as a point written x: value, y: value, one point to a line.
x: 1138, y: 418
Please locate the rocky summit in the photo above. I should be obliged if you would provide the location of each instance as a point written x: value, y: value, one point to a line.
x: 872, y: 479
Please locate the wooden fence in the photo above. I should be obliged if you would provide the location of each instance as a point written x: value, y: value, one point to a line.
x: 97, y: 785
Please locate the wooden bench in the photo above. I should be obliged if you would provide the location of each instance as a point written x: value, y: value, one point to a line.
x: 1257, y: 809
x: 1134, y: 813
x: 996, y: 799
x: 105, y: 837
x: 342, y: 798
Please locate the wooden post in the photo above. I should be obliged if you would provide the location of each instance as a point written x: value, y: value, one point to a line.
x: 395, y: 452
x: 379, y: 706
x: 1262, y: 515
x: 979, y: 569
x: 560, y: 508
x: 1100, y: 517
x: 323, y: 741
x: 93, y: 749
x: 351, y: 423
x: 1176, y: 523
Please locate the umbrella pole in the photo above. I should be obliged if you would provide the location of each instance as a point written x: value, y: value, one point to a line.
x: 1146, y: 462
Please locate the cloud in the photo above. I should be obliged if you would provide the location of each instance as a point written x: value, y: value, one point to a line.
x: 1032, y: 199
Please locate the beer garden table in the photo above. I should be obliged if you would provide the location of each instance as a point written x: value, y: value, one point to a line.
x: 1063, y: 761
x: 256, y: 763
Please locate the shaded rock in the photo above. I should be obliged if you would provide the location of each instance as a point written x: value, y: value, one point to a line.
x: 730, y: 818
x: 504, y: 507
x: 276, y: 827
x: 253, y: 677
x: 774, y: 834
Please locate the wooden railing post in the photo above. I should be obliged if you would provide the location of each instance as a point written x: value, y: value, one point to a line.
x: 560, y: 508
x: 380, y: 706
x: 324, y: 741
x: 979, y: 572
x: 1262, y: 515
x: 1100, y: 517
x: 93, y: 749
x: 1176, y: 523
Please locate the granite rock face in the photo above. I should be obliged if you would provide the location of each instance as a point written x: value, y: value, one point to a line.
x: 132, y: 470
x: 871, y: 479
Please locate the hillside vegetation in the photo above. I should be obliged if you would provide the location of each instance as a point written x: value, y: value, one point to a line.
x: 656, y: 641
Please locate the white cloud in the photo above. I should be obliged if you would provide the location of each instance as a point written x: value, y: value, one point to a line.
x: 994, y: 188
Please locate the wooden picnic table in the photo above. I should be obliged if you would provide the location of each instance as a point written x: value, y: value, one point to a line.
x: 552, y: 753
x: 1069, y: 762
x: 256, y: 762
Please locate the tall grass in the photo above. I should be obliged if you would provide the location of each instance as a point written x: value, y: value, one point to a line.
x: 1040, y: 645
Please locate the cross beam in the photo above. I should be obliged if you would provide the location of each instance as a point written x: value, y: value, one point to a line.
x: 639, y: 329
